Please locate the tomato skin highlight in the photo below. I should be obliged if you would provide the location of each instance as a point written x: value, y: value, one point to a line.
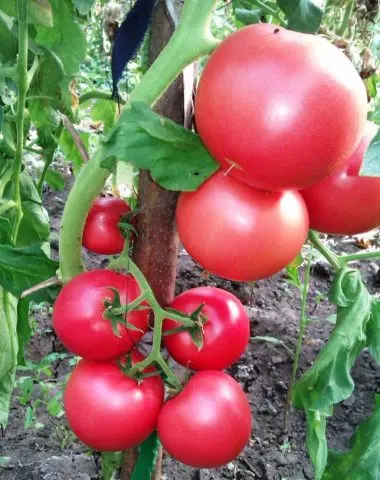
x: 101, y: 234
x: 226, y: 332
x: 285, y: 108
x: 346, y: 203
x: 78, y: 315
x: 109, y: 411
x: 207, y: 424
x: 240, y: 233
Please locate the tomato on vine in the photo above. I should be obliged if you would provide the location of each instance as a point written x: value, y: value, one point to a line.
x: 80, y: 316
x: 224, y: 323
x: 101, y: 232
x: 207, y: 424
x: 238, y: 232
x: 279, y: 109
x: 109, y: 411
x: 346, y: 203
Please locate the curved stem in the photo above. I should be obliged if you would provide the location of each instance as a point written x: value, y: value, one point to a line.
x: 331, y: 257
x: 178, y: 53
x: 355, y: 257
x: 22, y: 83
x: 301, y: 333
x: 98, y: 94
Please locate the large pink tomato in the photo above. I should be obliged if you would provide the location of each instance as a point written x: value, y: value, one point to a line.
x: 79, y: 315
x: 225, y: 332
x: 207, y: 424
x: 109, y: 411
x: 280, y: 109
x: 346, y: 203
x: 238, y: 232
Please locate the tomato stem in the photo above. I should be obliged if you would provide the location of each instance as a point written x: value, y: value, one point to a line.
x: 302, y: 327
x: 333, y: 259
x: 178, y: 53
x: 355, y: 257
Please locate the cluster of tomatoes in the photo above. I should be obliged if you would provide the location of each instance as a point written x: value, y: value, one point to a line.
x: 284, y: 114
x: 111, y: 411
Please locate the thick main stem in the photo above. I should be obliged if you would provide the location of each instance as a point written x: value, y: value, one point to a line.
x: 22, y: 82
x: 330, y: 256
x: 177, y: 54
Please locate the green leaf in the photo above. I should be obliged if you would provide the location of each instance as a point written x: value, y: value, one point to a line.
x: 34, y: 226
x: 175, y: 157
x: 24, y: 331
x: 303, y: 15
x: 316, y: 441
x: 362, y: 461
x: 5, y: 231
x: 55, y: 180
x: 102, y: 111
x: 246, y: 12
x: 40, y: 13
x: 329, y: 379
x: 84, y: 6
x: 70, y: 149
x: 8, y: 352
x: 373, y: 331
x: 146, y: 461
x: 22, y: 268
x: 66, y: 40
x: 371, y: 163
x: 111, y: 462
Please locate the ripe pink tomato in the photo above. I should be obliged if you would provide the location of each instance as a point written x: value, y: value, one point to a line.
x: 238, y: 232
x: 280, y: 109
x: 78, y: 315
x: 346, y: 203
x: 207, y: 424
x: 109, y: 411
x: 101, y: 232
x: 225, y: 334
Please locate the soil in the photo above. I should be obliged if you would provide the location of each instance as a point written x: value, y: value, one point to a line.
x: 52, y: 453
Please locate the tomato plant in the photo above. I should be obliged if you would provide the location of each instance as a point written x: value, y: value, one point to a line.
x: 278, y: 110
x: 101, y: 232
x: 83, y: 326
x: 208, y: 423
x: 223, y: 322
x: 109, y: 411
x: 238, y: 232
x: 294, y: 112
x: 346, y: 203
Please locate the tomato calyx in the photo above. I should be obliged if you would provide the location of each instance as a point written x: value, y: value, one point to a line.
x: 196, y: 330
x: 125, y: 225
x: 116, y: 313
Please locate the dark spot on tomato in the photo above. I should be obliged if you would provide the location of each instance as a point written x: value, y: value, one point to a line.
x: 276, y: 30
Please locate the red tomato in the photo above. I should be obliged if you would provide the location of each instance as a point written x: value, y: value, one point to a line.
x: 101, y: 233
x: 209, y: 423
x: 345, y: 203
x: 226, y: 332
x: 281, y: 109
x: 78, y: 315
x: 109, y: 411
x: 238, y: 232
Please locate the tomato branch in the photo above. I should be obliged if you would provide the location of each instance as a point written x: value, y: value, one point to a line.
x: 178, y: 53
x: 301, y: 333
x: 355, y: 257
x: 333, y: 259
x: 23, y: 85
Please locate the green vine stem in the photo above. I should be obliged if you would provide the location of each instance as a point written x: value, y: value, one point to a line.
x: 99, y: 95
x: 49, y: 156
x: 301, y: 333
x: 22, y: 82
x: 355, y: 257
x: 333, y: 259
x: 179, y: 52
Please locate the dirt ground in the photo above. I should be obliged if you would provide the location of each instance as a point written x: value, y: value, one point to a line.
x: 51, y: 453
